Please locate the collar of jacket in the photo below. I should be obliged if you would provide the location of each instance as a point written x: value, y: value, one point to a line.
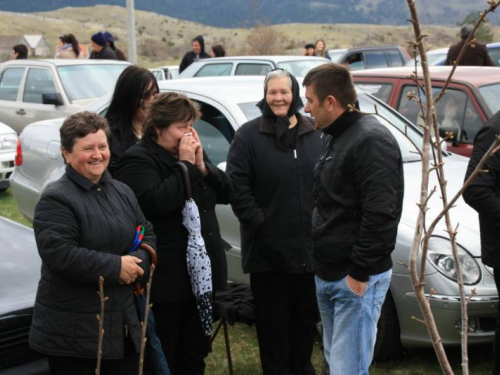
x: 342, y: 123
x: 84, y: 182
x: 268, y: 126
x: 158, y: 150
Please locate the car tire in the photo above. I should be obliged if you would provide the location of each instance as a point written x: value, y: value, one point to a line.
x: 388, y: 344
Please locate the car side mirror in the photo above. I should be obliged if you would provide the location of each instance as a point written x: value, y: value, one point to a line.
x: 52, y: 98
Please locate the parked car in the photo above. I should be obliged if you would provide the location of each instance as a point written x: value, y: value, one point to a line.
x: 166, y: 72
x: 437, y: 57
x: 471, y: 99
x: 228, y: 102
x: 19, y: 275
x: 251, y: 66
x: 8, y: 142
x: 370, y: 57
x: 33, y: 90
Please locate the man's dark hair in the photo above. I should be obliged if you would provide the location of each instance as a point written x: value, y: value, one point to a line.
x: 219, y: 50
x: 166, y: 109
x: 79, y: 125
x: 332, y: 79
x: 21, y: 50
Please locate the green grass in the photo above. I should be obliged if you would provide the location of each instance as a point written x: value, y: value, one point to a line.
x: 245, y: 350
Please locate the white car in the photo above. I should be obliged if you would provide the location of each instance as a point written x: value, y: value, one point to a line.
x: 34, y: 90
x: 226, y: 104
x: 8, y: 142
x: 166, y: 72
x: 252, y: 66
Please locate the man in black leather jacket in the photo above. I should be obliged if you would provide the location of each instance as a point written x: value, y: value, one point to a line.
x: 358, y: 192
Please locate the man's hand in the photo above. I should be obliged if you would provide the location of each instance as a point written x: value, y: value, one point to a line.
x: 356, y: 286
x: 130, y: 269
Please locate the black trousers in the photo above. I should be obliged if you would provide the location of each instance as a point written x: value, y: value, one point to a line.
x: 287, y: 313
x: 496, y: 347
x: 129, y: 365
x: 184, y: 344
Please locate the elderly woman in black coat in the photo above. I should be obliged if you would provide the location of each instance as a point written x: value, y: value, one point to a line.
x: 150, y: 168
x: 271, y: 164
x: 85, y: 224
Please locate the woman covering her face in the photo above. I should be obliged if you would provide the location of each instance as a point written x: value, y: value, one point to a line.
x: 150, y: 168
x: 84, y: 226
x: 271, y: 164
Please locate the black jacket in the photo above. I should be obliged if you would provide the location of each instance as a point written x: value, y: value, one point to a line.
x: 483, y: 194
x: 105, y: 54
x: 118, y: 145
x: 273, y: 200
x: 82, y: 230
x: 191, y: 57
x: 159, y: 186
x: 477, y: 56
x: 358, y: 192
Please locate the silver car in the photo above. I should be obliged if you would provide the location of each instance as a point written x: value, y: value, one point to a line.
x: 227, y: 103
x: 8, y: 142
x: 165, y: 72
x: 252, y: 66
x: 34, y: 90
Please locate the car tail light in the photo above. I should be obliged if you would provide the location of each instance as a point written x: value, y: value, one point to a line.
x: 18, y: 161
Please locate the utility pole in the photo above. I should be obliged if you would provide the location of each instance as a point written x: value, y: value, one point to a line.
x: 132, y: 46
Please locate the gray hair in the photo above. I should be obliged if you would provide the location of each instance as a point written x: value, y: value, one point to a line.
x: 276, y: 73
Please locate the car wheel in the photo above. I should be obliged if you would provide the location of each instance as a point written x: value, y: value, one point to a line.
x: 388, y: 344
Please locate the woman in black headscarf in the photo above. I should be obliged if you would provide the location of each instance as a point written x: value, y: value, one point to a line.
x: 271, y: 164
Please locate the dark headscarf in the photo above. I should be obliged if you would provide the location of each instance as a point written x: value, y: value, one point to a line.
x: 295, y: 105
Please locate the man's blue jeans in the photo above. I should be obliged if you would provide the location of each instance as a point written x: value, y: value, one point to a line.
x: 350, y: 322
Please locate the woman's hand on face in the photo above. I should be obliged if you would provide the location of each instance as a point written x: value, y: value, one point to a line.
x: 187, y: 148
x: 199, y: 162
x: 130, y: 269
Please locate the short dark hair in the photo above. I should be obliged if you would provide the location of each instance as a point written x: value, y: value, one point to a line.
x: 218, y: 50
x: 80, y: 125
x: 332, y: 79
x: 21, y: 50
x: 168, y: 108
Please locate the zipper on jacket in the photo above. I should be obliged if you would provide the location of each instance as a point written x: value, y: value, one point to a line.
x: 295, y: 153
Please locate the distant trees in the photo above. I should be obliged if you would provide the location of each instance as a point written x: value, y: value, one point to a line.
x: 264, y: 40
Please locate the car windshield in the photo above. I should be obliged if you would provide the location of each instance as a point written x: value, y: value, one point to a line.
x: 490, y: 94
x: 402, y: 130
x: 89, y: 81
x: 300, y: 68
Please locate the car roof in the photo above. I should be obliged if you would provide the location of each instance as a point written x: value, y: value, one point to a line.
x: 473, y: 75
x: 63, y: 62
x: 241, y: 89
x: 276, y: 58
x: 364, y: 48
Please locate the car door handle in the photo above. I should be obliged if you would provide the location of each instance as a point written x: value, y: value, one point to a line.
x: 20, y: 112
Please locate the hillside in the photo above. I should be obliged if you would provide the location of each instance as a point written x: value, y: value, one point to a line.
x: 239, y: 13
x: 165, y: 39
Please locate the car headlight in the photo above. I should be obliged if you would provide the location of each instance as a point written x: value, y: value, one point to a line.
x: 440, y: 256
x: 8, y: 142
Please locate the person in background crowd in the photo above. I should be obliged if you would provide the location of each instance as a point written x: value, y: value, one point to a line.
x: 84, y: 226
x: 473, y: 56
x: 20, y: 51
x: 358, y: 192
x: 150, y: 169
x: 273, y: 203
x: 309, y: 50
x: 135, y: 89
x: 68, y: 47
x: 197, y: 53
x: 218, y: 51
x: 110, y: 40
x: 100, y: 48
x: 483, y: 196
x: 320, y: 49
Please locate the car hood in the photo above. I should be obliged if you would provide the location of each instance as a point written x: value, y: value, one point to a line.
x: 5, y: 129
x: 19, y: 268
x: 455, y: 167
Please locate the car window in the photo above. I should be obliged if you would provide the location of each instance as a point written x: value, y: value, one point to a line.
x: 38, y: 82
x: 375, y: 59
x: 490, y: 94
x: 495, y: 55
x: 90, y: 80
x: 355, y: 61
x: 174, y: 73
x: 377, y: 89
x: 252, y: 69
x: 455, y: 113
x: 10, y: 82
x: 302, y: 67
x: 211, y: 70
x: 394, y: 57
x: 158, y: 75
x: 215, y: 132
